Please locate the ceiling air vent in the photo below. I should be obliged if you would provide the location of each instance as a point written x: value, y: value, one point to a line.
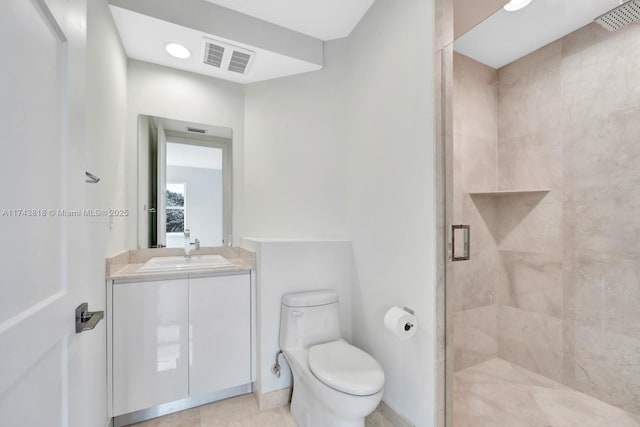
x: 213, y: 54
x: 196, y: 130
x: 239, y: 62
x: 225, y: 56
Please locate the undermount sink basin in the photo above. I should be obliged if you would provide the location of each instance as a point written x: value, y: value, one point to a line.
x: 183, y: 263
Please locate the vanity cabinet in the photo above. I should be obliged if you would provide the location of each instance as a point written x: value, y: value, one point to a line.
x: 177, y: 339
x: 150, y: 344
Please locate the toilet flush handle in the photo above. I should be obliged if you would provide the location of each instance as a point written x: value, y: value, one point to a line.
x: 297, y: 313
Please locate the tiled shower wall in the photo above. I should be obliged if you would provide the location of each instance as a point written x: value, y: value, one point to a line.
x: 560, y: 270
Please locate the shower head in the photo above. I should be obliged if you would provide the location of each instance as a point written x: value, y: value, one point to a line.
x: 620, y: 16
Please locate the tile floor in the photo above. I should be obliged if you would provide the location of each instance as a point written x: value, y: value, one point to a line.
x: 497, y: 393
x: 241, y: 411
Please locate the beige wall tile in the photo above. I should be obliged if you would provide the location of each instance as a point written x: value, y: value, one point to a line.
x: 601, y: 151
x: 475, y: 121
x: 598, y: 77
x: 479, y: 164
x: 529, y: 224
x: 604, y: 293
x: 584, y: 38
x: 603, y: 364
x: 603, y: 220
x: 475, y: 336
x: 531, y: 282
x: 531, y: 161
x: 529, y: 93
x: 475, y: 279
x: 531, y: 340
x: 476, y: 87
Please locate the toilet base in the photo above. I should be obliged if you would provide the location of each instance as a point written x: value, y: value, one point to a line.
x: 308, y: 411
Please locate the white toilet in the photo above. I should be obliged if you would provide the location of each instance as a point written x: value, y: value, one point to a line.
x: 334, y: 383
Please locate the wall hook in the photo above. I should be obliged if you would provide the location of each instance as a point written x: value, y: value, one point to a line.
x: 91, y: 178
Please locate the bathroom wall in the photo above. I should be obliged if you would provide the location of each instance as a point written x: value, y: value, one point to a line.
x: 348, y: 152
x: 295, y: 146
x: 165, y: 92
x: 391, y: 195
x: 102, y: 153
x: 475, y: 139
x: 569, y: 261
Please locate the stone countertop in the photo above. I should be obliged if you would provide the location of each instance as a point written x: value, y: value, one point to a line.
x: 124, y: 267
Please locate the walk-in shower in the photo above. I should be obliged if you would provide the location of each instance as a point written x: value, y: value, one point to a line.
x: 544, y: 325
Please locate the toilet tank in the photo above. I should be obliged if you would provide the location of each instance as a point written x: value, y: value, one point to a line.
x: 309, y: 318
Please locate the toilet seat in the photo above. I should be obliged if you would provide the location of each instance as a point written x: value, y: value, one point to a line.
x: 346, y: 368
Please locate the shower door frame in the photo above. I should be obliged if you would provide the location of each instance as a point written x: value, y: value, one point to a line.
x: 444, y: 36
x: 443, y: 79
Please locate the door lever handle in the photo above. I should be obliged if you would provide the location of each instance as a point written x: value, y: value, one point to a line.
x: 85, y: 319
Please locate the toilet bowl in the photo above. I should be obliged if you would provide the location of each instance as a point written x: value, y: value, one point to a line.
x: 334, y: 383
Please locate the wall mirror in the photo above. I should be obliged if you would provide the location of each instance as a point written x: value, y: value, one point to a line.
x: 184, y: 182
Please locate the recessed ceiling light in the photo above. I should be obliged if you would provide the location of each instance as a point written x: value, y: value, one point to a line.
x: 177, y: 50
x: 514, y: 5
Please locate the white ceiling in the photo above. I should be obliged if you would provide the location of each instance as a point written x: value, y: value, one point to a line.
x: 322, y: 19
x: 507, y: 36
x: 194, y: 156
x: 145, y: 37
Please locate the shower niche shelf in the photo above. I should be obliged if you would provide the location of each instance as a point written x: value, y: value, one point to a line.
x: 501, y: 193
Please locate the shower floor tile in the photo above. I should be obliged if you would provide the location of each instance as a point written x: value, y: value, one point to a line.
x: 497, y: 393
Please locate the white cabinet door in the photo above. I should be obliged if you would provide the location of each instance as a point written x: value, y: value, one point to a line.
x: 150, y: 339
x: 219, y: 333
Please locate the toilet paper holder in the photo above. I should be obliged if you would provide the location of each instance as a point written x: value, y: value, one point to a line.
x: 408, y: 325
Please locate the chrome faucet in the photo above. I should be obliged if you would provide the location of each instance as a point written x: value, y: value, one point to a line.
x: 187, y: 243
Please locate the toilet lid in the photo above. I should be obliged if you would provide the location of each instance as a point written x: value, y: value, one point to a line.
x: 346, y: 368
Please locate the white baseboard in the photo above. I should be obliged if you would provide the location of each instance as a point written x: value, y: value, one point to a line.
x: 394, y: 417
x: 272, y: 399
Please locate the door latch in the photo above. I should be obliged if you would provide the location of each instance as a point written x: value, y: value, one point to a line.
x: 85, y: 319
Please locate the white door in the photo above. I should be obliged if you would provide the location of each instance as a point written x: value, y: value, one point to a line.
x: 41, y: 84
